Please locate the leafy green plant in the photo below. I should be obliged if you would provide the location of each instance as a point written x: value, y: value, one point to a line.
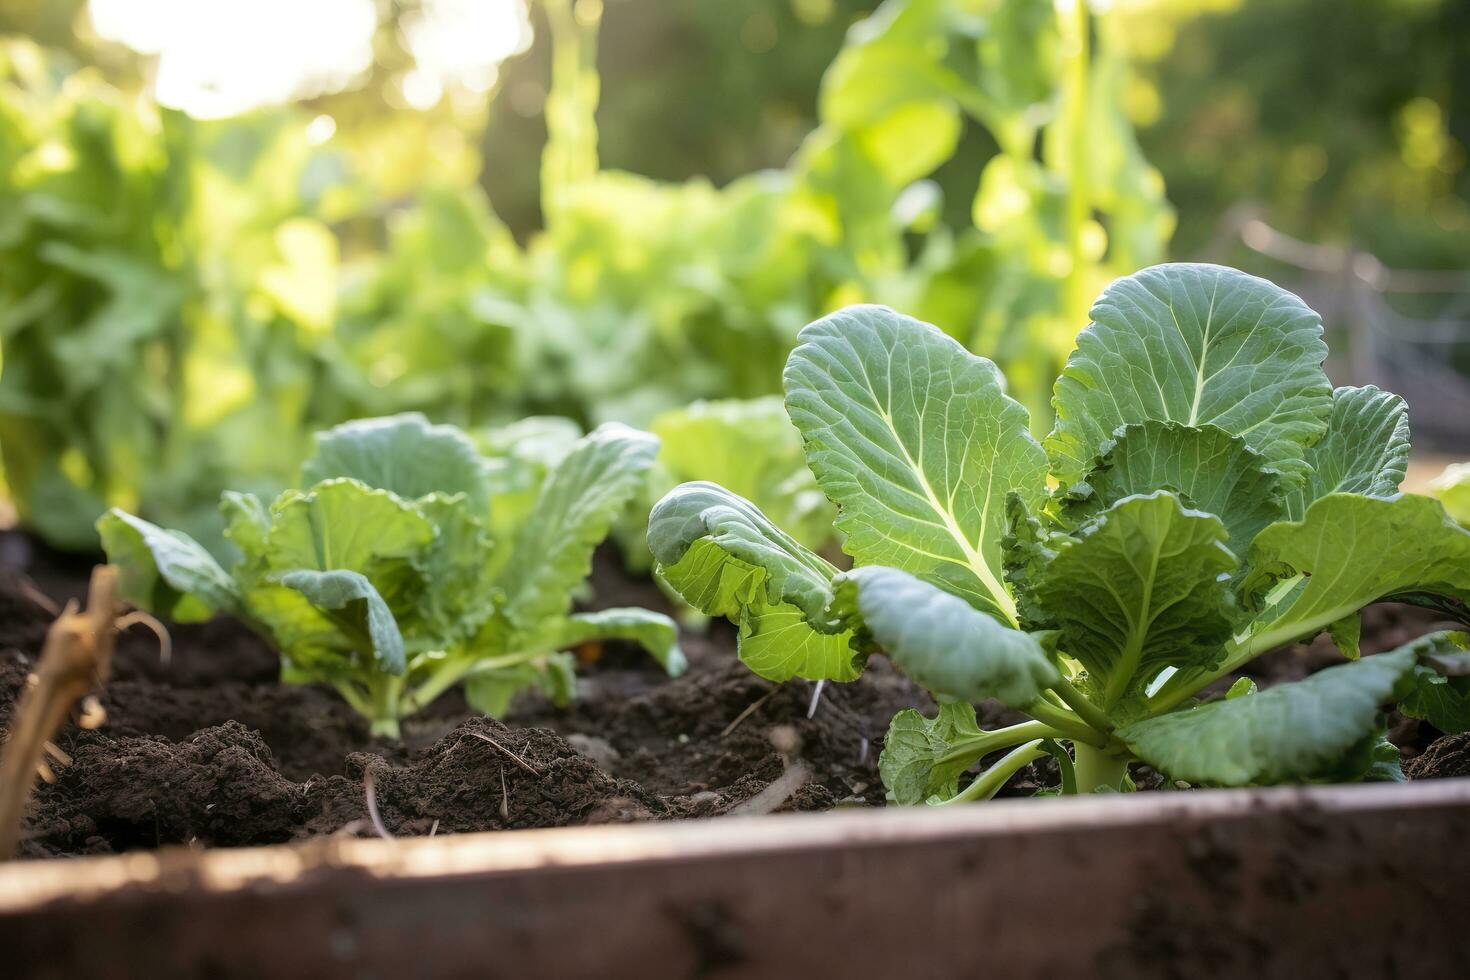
x: 159, y: 309
x: 1213, y: 498
x: 382, y: 578
x: 1452, y: 488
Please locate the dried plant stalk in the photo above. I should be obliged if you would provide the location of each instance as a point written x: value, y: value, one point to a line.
x: 75, y: 660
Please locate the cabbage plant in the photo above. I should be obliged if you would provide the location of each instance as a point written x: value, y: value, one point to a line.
x: 1204, y: 497
x: 382, y: 577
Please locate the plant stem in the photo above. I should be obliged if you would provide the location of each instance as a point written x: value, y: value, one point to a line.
x: 383, y: 708
x: 1068, y: 724
x: 1098, y: 769
x: 988, y: 783
x: 1080, y: 703
x: 451, y: 672
x: 983, y: 744
x: 354, y: 697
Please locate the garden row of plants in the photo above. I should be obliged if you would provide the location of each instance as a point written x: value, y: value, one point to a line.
x: 186, y: 301
x: 1097, y: 536
x: 1204, y: 497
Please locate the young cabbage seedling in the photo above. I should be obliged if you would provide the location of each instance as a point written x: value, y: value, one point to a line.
x: 383, y: 579
x: 1213, y: 498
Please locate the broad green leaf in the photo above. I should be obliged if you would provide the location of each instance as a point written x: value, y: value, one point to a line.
x: 1365, y: 450
x: 1027, y: 550
x: 924, y: 757
x: 725, y: 558
x: 1440, y: 693
x: 749, y: 447
x: 247, y: 523
x: 915, y: 440
x: 1141, y: 588
x: 1198, y: 345
x: 492, y: 692
x: 1354, y: 550
x: 778, y: 643
x: 788, y: 572
x: 349, y: 600
x: 654, y: 632
x: 343, y: 524
x: 1452, y: 488
x: 1242, y: 687
x: 165, y: 572
x: 1208, y: 468
x: 947, y: 645
x: 519, y: 457
x: 403, y: 454
x: 1373, y: 760
x: 1347, y: 635
x: 576, y: 507
x: 456, y: 567
x: 1289, y: 732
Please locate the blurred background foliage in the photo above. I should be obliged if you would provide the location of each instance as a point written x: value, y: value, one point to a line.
x: 226, y: 224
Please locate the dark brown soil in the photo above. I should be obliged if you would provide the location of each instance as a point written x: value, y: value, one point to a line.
x: 210, y: 749
x: 1446, y: 758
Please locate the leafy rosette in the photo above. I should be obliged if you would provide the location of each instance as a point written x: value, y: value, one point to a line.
x: 1204, y: 497
x: 389, y: 577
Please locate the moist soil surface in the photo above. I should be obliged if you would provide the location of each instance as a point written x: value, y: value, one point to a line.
x: 208, y: 748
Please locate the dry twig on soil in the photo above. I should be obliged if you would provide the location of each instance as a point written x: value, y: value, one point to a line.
x: 75, y: 660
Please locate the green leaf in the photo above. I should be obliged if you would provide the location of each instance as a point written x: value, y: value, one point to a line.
x: 1209, y: 469
x: 914, y: 439
x: 1365, y: 450
x: 343, y: 524
x: 405, y: 455
x: 165, y: 572
x: 1440, y: 693
x: 653, y: 631
x: 1141, y: 588
x: 924, y: 757
x: 725, y: 558
x: 945, y: 644
x: 1452, y: 488
x: 789, y: 573
x: 492, y: 692
x: 349, y: 600
x: 520, y: 456
x: 247, y: 523
x: 1354, y: 550
x: 1242, y: 687
x: 1290, y: 732
x: 1197, y: 345
x: 750, y: 448
x: 1347, y: 635
x: 457, y: 568
x: 576, y: 507
x: 1027, y: 550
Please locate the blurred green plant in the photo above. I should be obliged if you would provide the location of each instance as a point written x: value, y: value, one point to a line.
x: 188, y: 298
x: 159, y: 308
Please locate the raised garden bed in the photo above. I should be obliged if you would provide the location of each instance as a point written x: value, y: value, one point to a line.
x: 1322, y: 881
x: 211, y: 750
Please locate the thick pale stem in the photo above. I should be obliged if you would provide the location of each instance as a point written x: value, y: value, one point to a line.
x: 451, y: 672
x: 1065, y: 722
x: 385, y: 728
x: 989, y: 782
x: 1098, y: 769
x: 387, y: 693
x: 1000, y: 738
x: 1081, y: 704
